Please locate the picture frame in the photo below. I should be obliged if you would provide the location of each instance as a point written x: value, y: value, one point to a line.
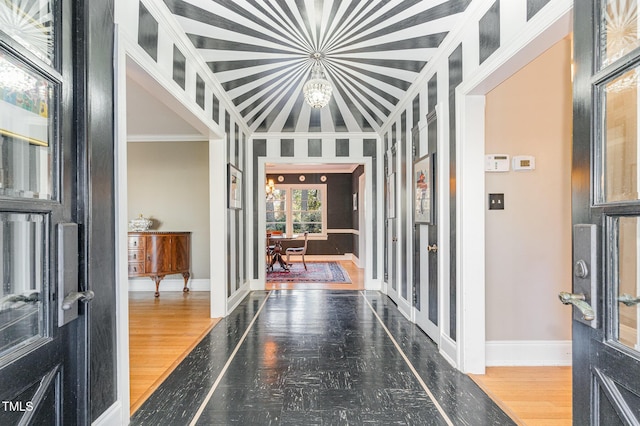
x: 235, y: 187
x: 391, y: 196
x: 423, y: 194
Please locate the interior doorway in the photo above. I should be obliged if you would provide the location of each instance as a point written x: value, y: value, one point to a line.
x: 328, y: 202
x: 163, y: 154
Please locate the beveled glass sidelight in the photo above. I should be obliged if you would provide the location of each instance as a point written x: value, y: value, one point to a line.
x: 619, y: 159
x: 22, y: 271
x: 31, y: 23
x: 618, y: 29
x: 27, y: 161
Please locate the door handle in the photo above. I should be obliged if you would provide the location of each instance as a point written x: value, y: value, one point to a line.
x: 74, y: 296
x: 433, y: 248
x: 629, y: 300
x: 578, y: 300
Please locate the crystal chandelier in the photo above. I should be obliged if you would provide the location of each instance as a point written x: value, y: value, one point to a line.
x: 317, y: 91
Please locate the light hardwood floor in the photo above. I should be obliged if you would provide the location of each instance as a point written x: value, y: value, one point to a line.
x: 162, y: 332
x: 530, y: 395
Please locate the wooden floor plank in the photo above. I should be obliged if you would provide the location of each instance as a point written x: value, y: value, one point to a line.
x: 530, y: 395
x: 162, y: 332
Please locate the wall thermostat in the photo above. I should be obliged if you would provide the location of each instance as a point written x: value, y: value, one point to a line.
x: 496, y: 163
x: 524, y: 162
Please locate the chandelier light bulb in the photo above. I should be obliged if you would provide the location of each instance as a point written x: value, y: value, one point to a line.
x: 317, y: 91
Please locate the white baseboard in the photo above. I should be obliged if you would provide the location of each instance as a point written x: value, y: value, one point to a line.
x: 237, y: 298
x: 323, y: 257
x: 448, y: 349
x: 528, y: 353
x: 111, y: 417
x: 168, y: 284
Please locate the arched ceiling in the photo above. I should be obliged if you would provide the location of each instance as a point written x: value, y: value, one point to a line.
x: 372, y: 51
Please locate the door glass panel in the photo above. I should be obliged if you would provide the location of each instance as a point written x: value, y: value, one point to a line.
x: 26, y: 155
x: 22, y: 237
x: 627, y: 280
x: 620, y: 156
x: 30, y: 23
x: 618, y: 29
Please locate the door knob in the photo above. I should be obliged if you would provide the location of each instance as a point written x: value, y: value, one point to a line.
x: 578, y: 300
x: 433, y: 248
x: 629, y: 300
x: 74, y: 296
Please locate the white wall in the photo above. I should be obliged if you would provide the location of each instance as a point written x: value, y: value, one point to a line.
x: 528, y: 244
x: 169, y: 182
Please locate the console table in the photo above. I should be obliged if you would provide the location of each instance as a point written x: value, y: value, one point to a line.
x: 158, y: 254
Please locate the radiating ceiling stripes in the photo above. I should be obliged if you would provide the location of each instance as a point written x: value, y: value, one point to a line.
x: 372, y: 51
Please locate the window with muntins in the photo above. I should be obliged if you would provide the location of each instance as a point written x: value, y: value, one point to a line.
x: 295, y: 209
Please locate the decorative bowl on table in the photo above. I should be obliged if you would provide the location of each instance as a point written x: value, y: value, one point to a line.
x: 140, y: 224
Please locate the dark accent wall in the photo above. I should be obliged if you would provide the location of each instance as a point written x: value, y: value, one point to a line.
x: 147, y: 32
x: 402, y: 213
x: 342, y: 147
x: 489, y: 28
x: 370, y: 149
x: 355, y: 185
x: 179, y: 67
x: 339, y: 210
x: 259, y: 150
x: 315, y: 148
x: 534, y: 6
x: 95, y: 46
x: 200, y: 91
x: 455, y: 78
x: 287, y: 148
x: 215, y: 109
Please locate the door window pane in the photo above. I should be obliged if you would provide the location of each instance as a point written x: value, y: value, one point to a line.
x: 30, y: 23
x: 620, y: 151
x: 277, y: 211
x: 307, y: 211
x: 26, y: 129
x: 618, y: 29
x: 627, y: 280
x: 22, y: 237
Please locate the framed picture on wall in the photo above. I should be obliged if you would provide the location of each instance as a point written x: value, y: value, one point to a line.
x: 234, y: 180
x: 391, y: 196
x: 423, y: 190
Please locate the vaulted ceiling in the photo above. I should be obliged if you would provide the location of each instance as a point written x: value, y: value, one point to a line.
x: 372, y: 51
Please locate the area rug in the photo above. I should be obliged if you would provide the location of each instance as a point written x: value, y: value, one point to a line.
x: 317, y: 272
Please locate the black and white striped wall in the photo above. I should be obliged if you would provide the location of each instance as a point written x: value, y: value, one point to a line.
x: 491, y: 29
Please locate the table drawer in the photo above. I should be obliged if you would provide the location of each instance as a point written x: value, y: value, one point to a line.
x: 136, y: 242
x: 136, y: 268
x: 136, y: 255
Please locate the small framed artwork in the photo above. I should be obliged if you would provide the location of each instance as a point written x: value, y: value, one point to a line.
x: 234, y: 179
x: 355, y: 201
x: 423, y: 190
x: 391, y: 196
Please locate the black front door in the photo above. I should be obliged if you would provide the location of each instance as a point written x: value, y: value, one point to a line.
x: 606, y: 214
x: 43, y: 349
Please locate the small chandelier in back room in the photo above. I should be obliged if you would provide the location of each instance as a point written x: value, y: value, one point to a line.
x: 317, y: 91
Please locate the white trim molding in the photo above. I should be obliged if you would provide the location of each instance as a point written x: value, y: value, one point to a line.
x: 528, y: 353
x: 112, y: 416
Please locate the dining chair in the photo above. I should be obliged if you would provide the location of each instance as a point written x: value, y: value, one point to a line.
x: 300, y: 251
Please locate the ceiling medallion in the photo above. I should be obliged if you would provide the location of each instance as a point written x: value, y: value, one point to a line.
x: 317, y: 91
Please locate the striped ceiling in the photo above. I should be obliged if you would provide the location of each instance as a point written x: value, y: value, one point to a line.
x: 372, y: 51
